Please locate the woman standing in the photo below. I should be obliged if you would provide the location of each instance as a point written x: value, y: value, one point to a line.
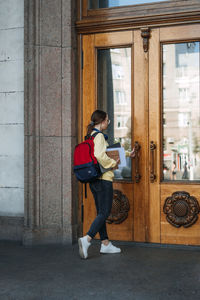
x: 101, y: 188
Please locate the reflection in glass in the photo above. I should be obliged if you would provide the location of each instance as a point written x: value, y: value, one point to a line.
x: 114, y: 97
x: 181, y: 111
x: 95, y: 4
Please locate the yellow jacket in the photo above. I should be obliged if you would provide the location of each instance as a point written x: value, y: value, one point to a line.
x: 100, y: 146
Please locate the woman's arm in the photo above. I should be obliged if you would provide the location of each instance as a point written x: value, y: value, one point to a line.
x: 100, y: 147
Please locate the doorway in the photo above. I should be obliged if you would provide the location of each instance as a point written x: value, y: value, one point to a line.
x: 148, y: 82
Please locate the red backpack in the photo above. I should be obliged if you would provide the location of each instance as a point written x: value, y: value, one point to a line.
x: 86, y: 167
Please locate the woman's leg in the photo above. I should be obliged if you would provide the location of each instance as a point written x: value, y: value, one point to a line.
x: 103, y: 195
x: 102, y: 231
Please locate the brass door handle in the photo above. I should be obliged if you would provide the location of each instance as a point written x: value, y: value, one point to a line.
x: 137, y: 173
x: 152, y: 151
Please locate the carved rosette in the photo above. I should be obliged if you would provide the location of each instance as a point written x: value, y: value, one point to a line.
x: 181, y: 209
x: 120, y: 208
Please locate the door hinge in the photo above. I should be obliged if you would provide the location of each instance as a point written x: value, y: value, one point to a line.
x: 82, y: 212
x: 82, y: 65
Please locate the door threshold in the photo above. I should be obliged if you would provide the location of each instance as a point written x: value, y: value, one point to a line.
x: 153, y: 245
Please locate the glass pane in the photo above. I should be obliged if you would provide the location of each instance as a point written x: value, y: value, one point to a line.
x: 181, y: 111
x: 114, y: 97
x: 95, y: 4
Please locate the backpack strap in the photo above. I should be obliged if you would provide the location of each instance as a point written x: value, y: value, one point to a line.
x: 95, y: 134
x: 91, y: 135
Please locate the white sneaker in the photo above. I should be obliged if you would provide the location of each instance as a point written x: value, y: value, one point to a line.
x: 109, y: 248
x: 83, y: 247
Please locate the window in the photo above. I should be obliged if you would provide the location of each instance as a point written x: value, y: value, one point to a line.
x: 117, y: 71
x: 181, y: 111
x: 122, y: 121
x: 183, y: 119
x: 120, y: 97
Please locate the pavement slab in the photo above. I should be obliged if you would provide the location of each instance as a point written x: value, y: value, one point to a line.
x: 140, y: 272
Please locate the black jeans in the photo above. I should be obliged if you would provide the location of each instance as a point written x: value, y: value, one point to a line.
x: 102, y: 191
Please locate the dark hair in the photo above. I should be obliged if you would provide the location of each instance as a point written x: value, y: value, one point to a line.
x: 97, y: 117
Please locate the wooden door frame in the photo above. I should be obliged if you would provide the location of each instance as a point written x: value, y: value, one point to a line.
x: 160, y: 189
x: 89, y: 103
x: 133, y: 16
x: 108, y: 20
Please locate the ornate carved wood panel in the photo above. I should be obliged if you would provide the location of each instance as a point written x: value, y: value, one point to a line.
x: 120, y: 208
x: 181, y: 209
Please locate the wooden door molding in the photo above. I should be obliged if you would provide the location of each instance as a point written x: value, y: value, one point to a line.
x: 154, y: 134
x: 141, y: 98
x: 132, y: 17
x: 180, y: 33
x: 89, y: 80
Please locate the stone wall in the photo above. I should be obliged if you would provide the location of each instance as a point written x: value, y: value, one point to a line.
x: 51, y: 202
x: 11, y: 109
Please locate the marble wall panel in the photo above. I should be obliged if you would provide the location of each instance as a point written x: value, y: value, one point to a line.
x: 30, y: 28
x: 32, y: 180
x: 74, y: 94
x: 11, y: 202
x: 69, y: 37
x: 11, y: 76
x: 12, y: 108
x: 69, y: 208
x: 51, y: 22
x: 12, y: 171
x: 67, y: 60
x: 69, y: 106
x: 50, y: 181
x: 51, y: 93
x: 11, y: 14
x: 68, y: 119
x: 31, y: 93
x: 12, y: 44
x: 50, y: 114
x: 12, y: 140
x: 66, y: 23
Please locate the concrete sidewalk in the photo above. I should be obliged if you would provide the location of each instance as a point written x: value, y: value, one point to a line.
x: 138, y: 273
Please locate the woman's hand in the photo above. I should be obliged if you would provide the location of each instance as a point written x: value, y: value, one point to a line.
x: 132, y: 153
x: 117, y: 161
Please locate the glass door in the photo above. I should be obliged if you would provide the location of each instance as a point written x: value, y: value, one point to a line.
x: 152, y: 98
x: 107, y: 85
x: 174, y: 135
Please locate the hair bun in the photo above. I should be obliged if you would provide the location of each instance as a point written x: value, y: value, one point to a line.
x: 92, y: 123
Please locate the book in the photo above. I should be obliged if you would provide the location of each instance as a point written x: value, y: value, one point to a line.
x: 116, y: 145
x: 114, y: 154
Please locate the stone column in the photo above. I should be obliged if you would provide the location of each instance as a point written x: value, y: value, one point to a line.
x: 51, y: 202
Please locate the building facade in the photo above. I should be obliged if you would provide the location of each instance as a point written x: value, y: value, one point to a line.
x: 38, y: 64
x: 138, y: 60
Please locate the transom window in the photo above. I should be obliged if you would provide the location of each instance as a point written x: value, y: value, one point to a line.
x: 95, y: 4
